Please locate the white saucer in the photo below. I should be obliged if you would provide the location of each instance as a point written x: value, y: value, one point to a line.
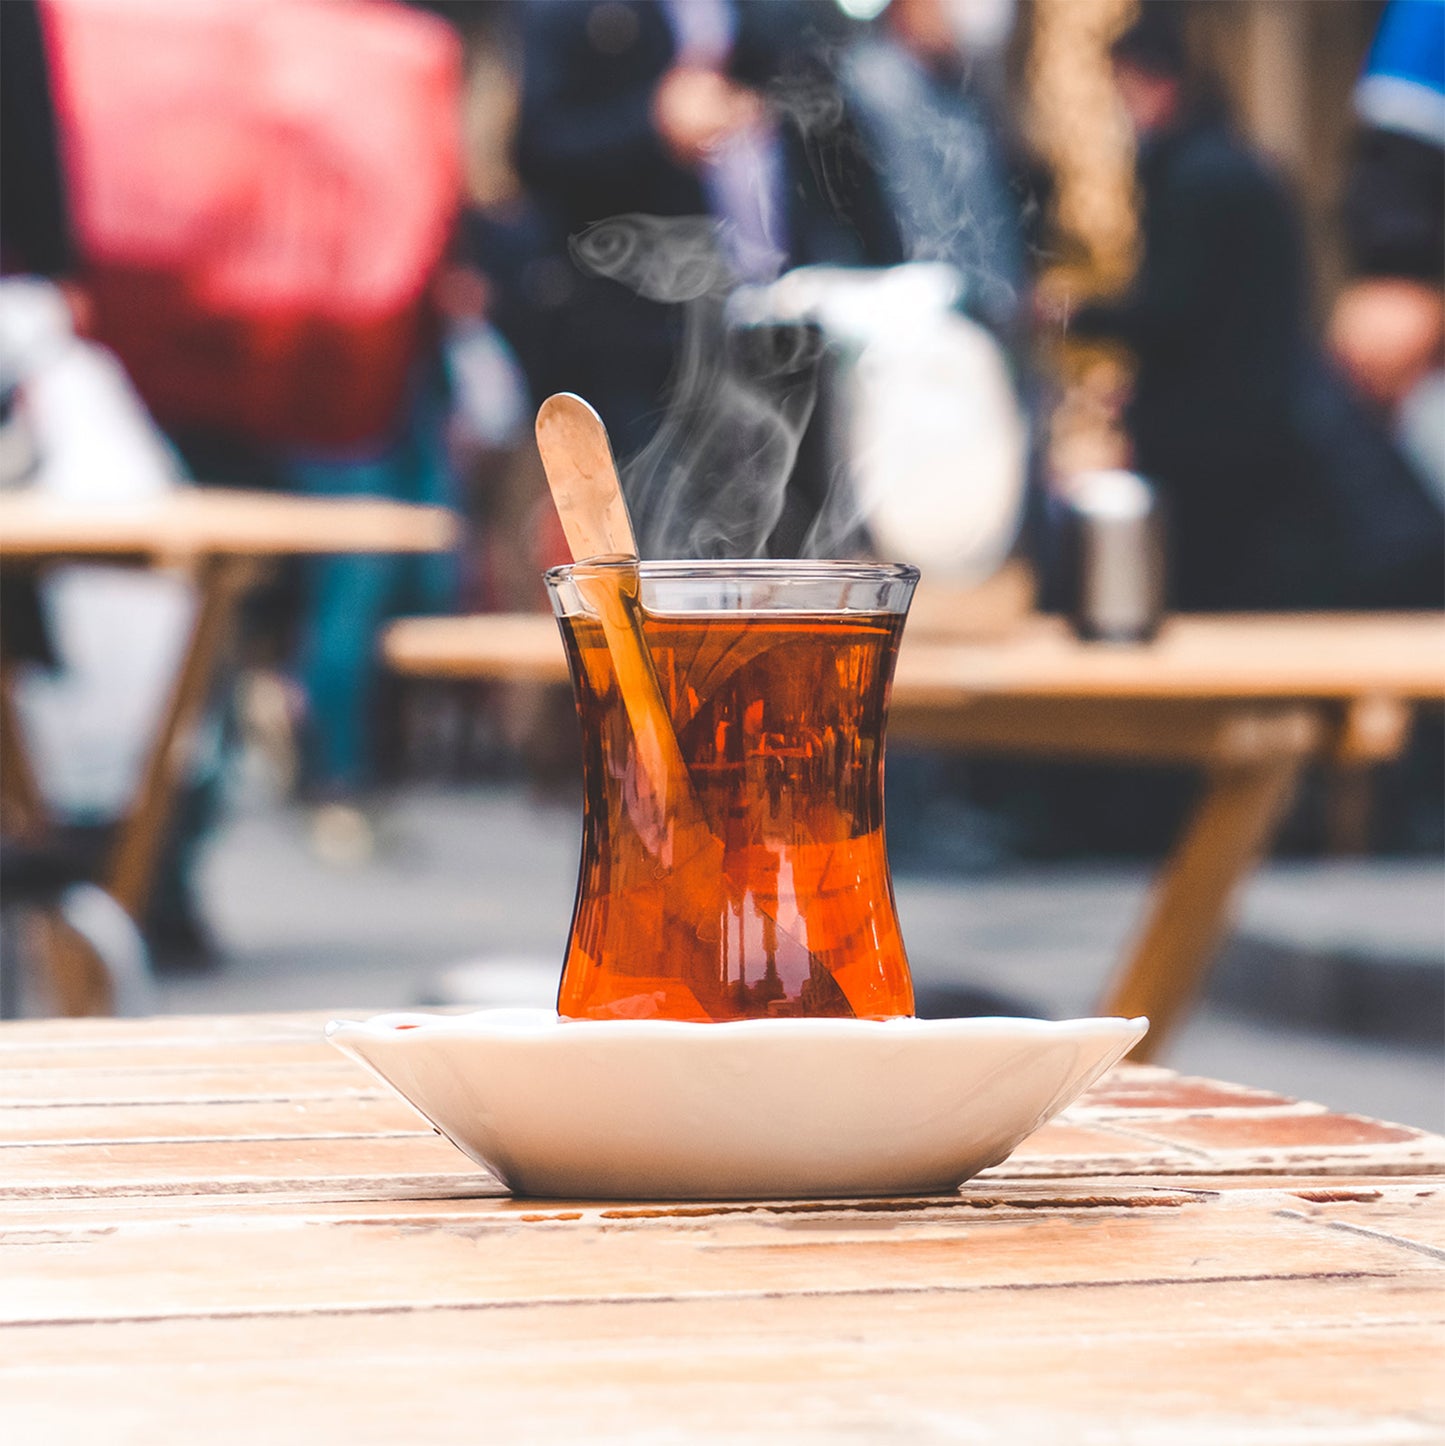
x: 768, y: 1108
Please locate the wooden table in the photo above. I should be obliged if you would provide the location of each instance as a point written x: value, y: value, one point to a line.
x: 221, y: 1230
x: 1248, y: 700
x: 220, y: 539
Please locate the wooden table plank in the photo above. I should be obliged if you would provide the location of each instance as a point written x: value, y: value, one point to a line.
x: 202, y: 521
x: 1300, y: 655
x: 84, y: 1125
x: 119, y: 1057
x: 1410, y: 1218
x: 210, y: 1030
x: 227, y: 1165
x: 1208, y: 1263
x: 1249, y: 655
x: 196, y: 1083
x: 1289, y: 1362
x: 226, y: 1267
x: 176, y: 1059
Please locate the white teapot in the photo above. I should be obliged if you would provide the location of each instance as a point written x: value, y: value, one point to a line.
x: 928, y: 441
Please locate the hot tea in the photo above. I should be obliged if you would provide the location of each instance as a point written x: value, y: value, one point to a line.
x: 758, y: 884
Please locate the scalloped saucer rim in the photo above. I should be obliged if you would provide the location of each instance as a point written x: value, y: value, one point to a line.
x: 747, y: 1109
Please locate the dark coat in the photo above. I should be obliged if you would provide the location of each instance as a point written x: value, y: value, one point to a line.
x: 35, y: 234
x: 586, y: 146
x: 587, y: 151
x: 1237, y: 417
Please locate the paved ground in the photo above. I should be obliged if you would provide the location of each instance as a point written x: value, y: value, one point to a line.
x: 486, y: 874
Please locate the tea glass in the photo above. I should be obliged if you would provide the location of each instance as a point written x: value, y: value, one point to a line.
x: 751, y: 881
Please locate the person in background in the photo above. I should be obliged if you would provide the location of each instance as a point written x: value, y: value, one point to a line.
x: 35, y: 233
x: 35, y: 240
x: 1280, y: 492
x: 202, y: 354
x: 676, y: 108
x: 1388, y: 325
x: 919, y: 85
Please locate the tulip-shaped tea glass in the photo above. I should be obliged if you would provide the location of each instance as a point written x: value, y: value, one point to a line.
x: 739, y: 872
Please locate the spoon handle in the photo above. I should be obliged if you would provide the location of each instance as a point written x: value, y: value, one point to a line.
x: 583, y: 479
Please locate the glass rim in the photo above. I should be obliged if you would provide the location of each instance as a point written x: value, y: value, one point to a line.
x: 728, y: 569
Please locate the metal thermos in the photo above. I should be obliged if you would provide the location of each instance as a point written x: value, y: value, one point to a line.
x: 1117, y: 544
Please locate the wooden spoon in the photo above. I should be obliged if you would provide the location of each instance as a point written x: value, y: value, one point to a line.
x: 583, y: 480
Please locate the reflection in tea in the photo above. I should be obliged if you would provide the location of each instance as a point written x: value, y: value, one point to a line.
x: 766, y: 891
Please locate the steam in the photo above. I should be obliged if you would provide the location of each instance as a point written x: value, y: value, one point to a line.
x: 711, y: 482
x: 942, y: 169
x: 661, y: 258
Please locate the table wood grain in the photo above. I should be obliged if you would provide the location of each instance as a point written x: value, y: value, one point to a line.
x: 222, y: 1230
x: 1245, y: 656
x: 192, y: 522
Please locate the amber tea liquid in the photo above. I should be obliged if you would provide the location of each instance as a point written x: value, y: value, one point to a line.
x: 778, y: 901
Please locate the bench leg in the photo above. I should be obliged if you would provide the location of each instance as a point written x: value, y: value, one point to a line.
x: 76, y: 980
x: 22, y: 808
x: 1231, y: 829
x: 221, y: 584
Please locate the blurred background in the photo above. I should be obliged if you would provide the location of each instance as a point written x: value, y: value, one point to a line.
x: 921, y: 278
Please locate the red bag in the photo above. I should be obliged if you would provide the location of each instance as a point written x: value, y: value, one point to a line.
x: 261, y: 193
